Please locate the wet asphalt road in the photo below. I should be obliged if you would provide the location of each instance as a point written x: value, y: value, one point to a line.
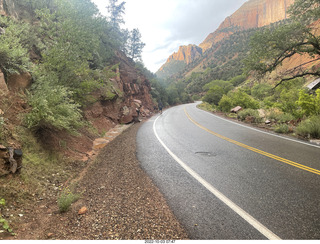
x: 244, y: 184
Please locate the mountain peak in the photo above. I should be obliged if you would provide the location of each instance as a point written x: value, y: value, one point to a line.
x: 186, y: 53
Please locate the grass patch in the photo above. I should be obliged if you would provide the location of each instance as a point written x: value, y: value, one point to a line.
x: 207, y: 107
x: 252, y: 113
x: 282, y: 128
x: 309, y: 128
x: 65, y: 199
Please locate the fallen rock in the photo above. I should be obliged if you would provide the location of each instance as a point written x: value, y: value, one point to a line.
x: 82, y: 211
x: 236, y: 109
x: 100, y: 143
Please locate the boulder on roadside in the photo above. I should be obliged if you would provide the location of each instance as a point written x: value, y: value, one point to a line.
x: 236, y: 109
x: 267, y: 122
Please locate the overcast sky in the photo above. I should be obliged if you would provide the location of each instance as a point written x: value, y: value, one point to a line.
x: 167, y: 24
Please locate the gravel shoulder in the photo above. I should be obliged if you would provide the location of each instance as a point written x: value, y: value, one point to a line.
x: 121, y: 200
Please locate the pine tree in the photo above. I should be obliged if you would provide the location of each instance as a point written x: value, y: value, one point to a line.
x: 116, y: 11
x: 135, y: 45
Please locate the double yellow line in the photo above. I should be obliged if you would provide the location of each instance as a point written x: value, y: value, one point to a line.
x: 300, y: 166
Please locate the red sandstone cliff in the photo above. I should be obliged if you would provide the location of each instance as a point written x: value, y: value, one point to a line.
x: 186, y: 53
x: 184, y: 56
x: 252, y: 14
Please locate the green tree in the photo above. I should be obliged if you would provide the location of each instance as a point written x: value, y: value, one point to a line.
x: 70, y: 44
x: 214, y: 95
x: 135, y: 45
x: 14, y: 57
x: 116, y: 12
x: 52, y: 107
x: 309, y: 103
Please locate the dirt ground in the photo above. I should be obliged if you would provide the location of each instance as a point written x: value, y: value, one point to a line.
x: 121, y: 203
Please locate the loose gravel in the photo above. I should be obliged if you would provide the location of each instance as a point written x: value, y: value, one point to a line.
x: 122, y: 201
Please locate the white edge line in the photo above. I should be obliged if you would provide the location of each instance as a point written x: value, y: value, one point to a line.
x: 261, y: 131
x: 247, y: 217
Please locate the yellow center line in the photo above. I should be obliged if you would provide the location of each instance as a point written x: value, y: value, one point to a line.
x: 300, y: 166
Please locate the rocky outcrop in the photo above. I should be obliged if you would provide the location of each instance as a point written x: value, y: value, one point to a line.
x: 177, y: 61
x: 186, y: 53
x: 134, y: 98
x: 252, y: 14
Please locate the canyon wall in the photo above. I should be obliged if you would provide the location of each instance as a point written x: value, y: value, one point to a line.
x: 252, y: 14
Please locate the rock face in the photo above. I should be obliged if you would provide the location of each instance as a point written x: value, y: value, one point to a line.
x: 177, y: 61
x: 135, y: 96
x: 186, y: 53
x: 252, y: 14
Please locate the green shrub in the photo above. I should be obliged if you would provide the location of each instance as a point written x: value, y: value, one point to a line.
x: 65, y: 200
x: 53, y: 108
x: 309, y: 128
x: 14, y: 56
x: 214, y: 95
x: 3, y: 222
x: 207, y: 107
x: 274, y: 114
x: 242, y: 115
x: 237, y: 98
x: 1, y: 122
x: 268, y: 102
x: 225, y: 104
x: 282, y: 128
x: 261, y: 91
x: 309, y: 103
x: 284, y: 118
x: 240, y: 98
x: 238, y: 79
